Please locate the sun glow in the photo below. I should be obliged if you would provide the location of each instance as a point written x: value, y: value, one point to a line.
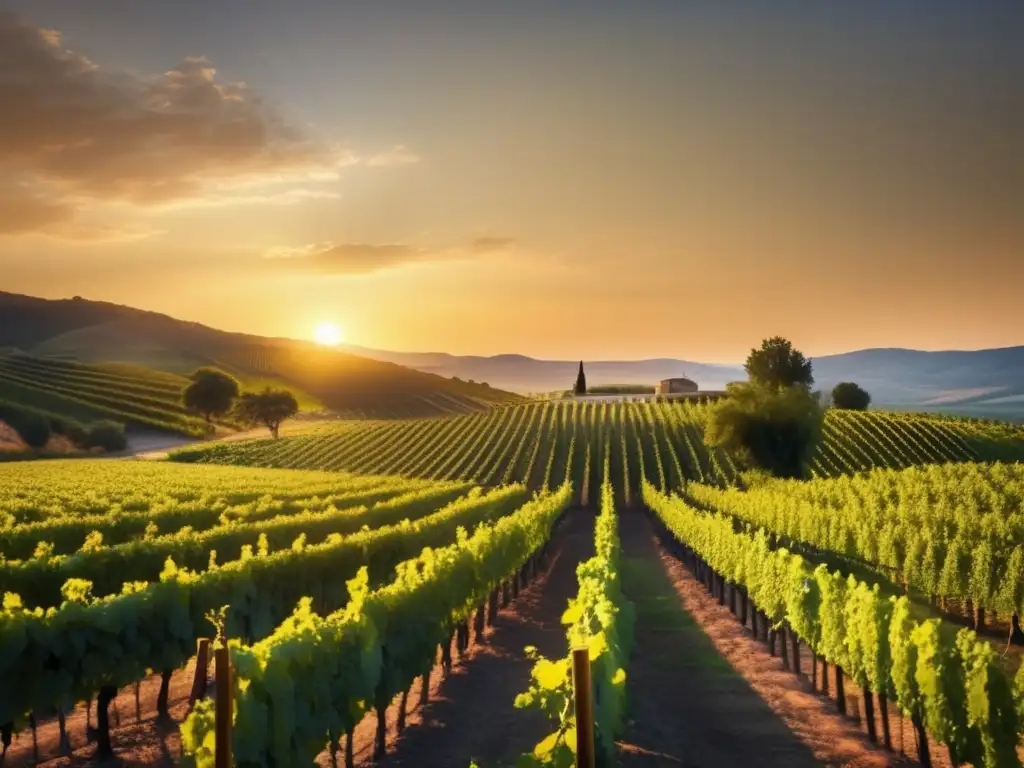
x: 327, y: 334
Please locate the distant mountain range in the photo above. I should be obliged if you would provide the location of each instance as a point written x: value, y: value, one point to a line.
x: 374, y: 382
x: 986, y: 382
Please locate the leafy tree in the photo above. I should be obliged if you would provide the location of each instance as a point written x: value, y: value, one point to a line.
x: 269, y: 408
x: 777, y: 364
x: 773, y: 429
x: 210, y: 393
x: 581, y: 382
x: 849, y: 396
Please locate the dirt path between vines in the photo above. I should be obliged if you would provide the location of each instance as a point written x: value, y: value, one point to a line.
x: 702, y: 692
x: 471, y: 714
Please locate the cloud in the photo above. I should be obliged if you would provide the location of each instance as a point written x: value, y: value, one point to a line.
x: 491, y: 244
x: 397, y: 155
x: 362, y: 258
x: 23, y: 212
x: 78, y: 135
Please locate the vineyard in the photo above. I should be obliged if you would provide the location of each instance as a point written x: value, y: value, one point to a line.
x: 128, y: 394
x: 541, y: 445
x: 891, y: 582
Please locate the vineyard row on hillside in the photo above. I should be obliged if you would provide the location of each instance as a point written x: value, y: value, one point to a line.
x: 541, y: 444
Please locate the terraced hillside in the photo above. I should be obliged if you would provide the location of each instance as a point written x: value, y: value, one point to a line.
x: 541, y: 444
x: 128, y: 394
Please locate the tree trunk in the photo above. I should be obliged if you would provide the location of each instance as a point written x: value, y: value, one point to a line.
x: 796, y: 652
x: 753, y: 623
x: 732, y: 599
x: 783, y: 650
x: 5, y: 737
x: 478, y: 622
x: 979, y: 619
x: 492, y: 607
x: 743, y: 608
x: 814, y: 670
x: 380, y: 739
x: 772, y: 634
x: 446, y: 654
x: 1016, y: 634
x: 425, y: 690
x: 350, y: 753
x: 161, y: 699
x: 35, y: 736
x: 883, y: 711
x: 824, y: 676
x: 840, y: 691
x: 401, y: 710
x: 923, y: 752
x: 103, y: 747
x: 65, y: 742
x: 869, y: 713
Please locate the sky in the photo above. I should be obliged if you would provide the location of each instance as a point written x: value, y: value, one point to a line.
x: 565, y: 180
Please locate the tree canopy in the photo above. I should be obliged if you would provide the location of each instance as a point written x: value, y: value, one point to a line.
x: 771, y: 428
x: 580, y: 387
x: 210, y: 393
x: 269, y: 408
x: 849, y: 396
x: 776, y: 364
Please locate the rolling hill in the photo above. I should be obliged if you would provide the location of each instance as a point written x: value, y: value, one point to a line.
x: 984, y: 383
x: 129, y: 342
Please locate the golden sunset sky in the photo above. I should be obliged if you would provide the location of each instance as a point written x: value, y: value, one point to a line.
x: 565, y: 180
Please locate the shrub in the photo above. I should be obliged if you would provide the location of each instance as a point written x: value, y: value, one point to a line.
x: 772, y: 429
x: 848, y: 396
x: 108, y: 435
x: 32, y: 426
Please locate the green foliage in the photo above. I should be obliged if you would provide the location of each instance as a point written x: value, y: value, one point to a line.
x: 773, y: 429
x: 777, y: 365
x: 600, y: 619
x: 269, y: 408
x: 954, y: 686
x: 115, y: 639
x: 210, y: 393
x: 849, y: 396
x: 952, y: 530
x: 314, y: 677
x: 480, y: 448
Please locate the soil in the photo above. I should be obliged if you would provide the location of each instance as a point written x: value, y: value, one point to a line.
x: 142, y: 740
x: 702, y: 692
x: 10, y: 440
x: 471, y: 713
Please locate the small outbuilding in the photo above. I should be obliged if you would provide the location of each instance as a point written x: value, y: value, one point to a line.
x: 678, y: 386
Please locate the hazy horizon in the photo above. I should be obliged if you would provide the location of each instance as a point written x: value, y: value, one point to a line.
x: 592, y: 180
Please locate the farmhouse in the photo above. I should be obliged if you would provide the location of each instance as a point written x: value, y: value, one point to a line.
x: 678, y: 386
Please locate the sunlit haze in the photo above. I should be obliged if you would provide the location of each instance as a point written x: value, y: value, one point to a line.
x: 570, y: 180
x: 328, y: 334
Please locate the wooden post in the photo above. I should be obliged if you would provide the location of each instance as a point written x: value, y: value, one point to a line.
x: 222, y: 713
x: 584, y: 708
x: 202, y: 664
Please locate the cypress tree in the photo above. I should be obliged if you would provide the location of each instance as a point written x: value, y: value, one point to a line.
x: 581, y: 382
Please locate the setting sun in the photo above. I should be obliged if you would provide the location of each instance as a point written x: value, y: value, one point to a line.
x: 327, y: 334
